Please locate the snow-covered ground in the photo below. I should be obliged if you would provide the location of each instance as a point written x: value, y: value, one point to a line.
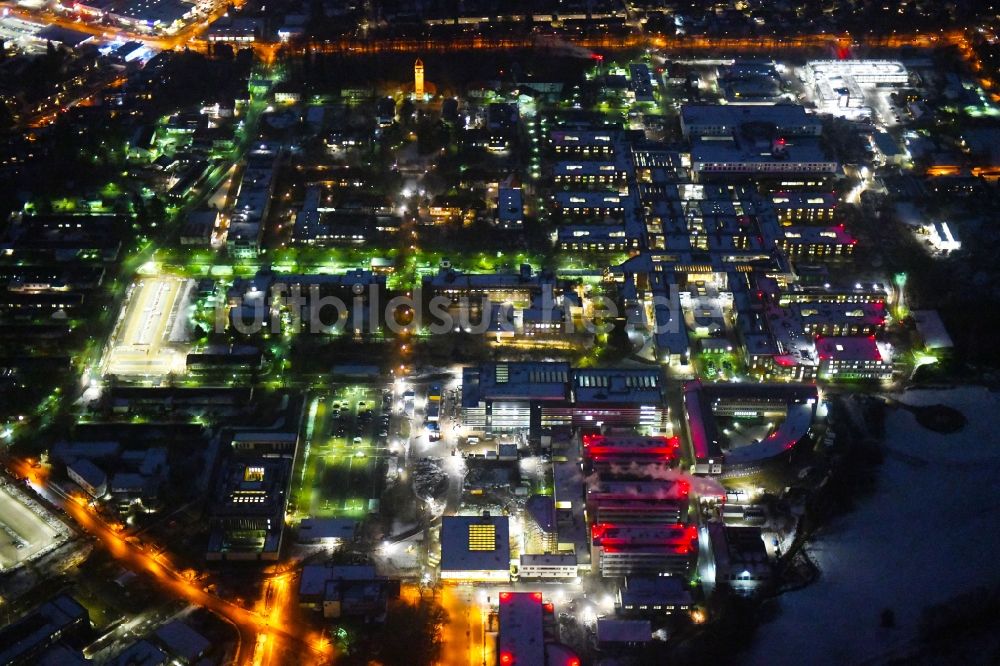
x: 927, y: 534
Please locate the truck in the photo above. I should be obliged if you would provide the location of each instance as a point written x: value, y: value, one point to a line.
x: 433, y: 412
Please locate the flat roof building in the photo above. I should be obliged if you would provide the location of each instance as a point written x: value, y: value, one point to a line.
x: 588, y: 171
x: 585, y: 142
x: 527, y: 395
x: 250, y: 211
x: 595, y: 238
x: 724, y: 119
x: 522, y: 635
x: 510, y: 208
x: 327, y: 530
x: 475, y: 548
x: 265, y: 443
x: 154, y: 15
x: 629, y: 448
x: 853, y: 357
x: 840, y: 318
x: 741, y: 560
x: 931, y: 329
x: 594, y: 203
x: 521, y: 286
x: 736, y: 156
x: 182, y: 641
x: 647, y: 549
x: 139, y: 653
x: 804, y: 207
x: 640, y: 81
x: 657, y: 490
x: 346, y: 590
x: 817, y: 243
x: 653, y: 596
x: 548, y: 566
x: 27, y: 639
x: 612, y: 632
x: 520, y: 639
x: 248, y: 514
x: 792, y: 406
x: 868, y: 72
x: 238, y: 30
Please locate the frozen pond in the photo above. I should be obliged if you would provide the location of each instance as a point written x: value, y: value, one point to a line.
x: 928, y: 533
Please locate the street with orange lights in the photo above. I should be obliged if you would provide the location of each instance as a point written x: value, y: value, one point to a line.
x: 265, y: 633
x: 465, y: 636
x: 190, y: 37
x: 271, y: 630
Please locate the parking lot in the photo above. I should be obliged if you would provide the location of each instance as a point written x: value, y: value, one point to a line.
x: 142, y: 343
x: 24, y: 532
x: 344, y: 460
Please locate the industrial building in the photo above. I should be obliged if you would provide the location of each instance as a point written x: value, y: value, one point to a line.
x: 526, y: 632
x: 647, y: 549
x: 722, y: 120
x: 88, y: 476
x: 653, y: 596
x: 627, y: 448
x: 346, y: 591
x: 740, y: 558
x: 152, y: 16
x: 530, y: 395
x: 475, y: 549
x: 776, y: 417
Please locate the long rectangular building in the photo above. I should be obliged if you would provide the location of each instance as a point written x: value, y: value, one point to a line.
x: 724, y: 119
x: 529, y: 395
x: 631, y: 448
x: 621, y: 550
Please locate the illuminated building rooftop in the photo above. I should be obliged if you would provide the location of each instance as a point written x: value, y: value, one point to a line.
x: 475, y: 547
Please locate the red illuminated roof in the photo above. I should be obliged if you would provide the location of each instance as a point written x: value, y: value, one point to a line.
x: 602, y: 447
x: 521, y: 636
x: 678, y: 536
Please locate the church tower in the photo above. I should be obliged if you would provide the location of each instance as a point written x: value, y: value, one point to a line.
x: 418, y: 78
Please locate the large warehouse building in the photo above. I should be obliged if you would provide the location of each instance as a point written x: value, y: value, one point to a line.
x: 475, y: 549
x: 505, y: 397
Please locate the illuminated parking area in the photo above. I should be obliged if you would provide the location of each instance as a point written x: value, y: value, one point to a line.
x: 150, y: 338
x: 26, y: 529
x: 344, y: 459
